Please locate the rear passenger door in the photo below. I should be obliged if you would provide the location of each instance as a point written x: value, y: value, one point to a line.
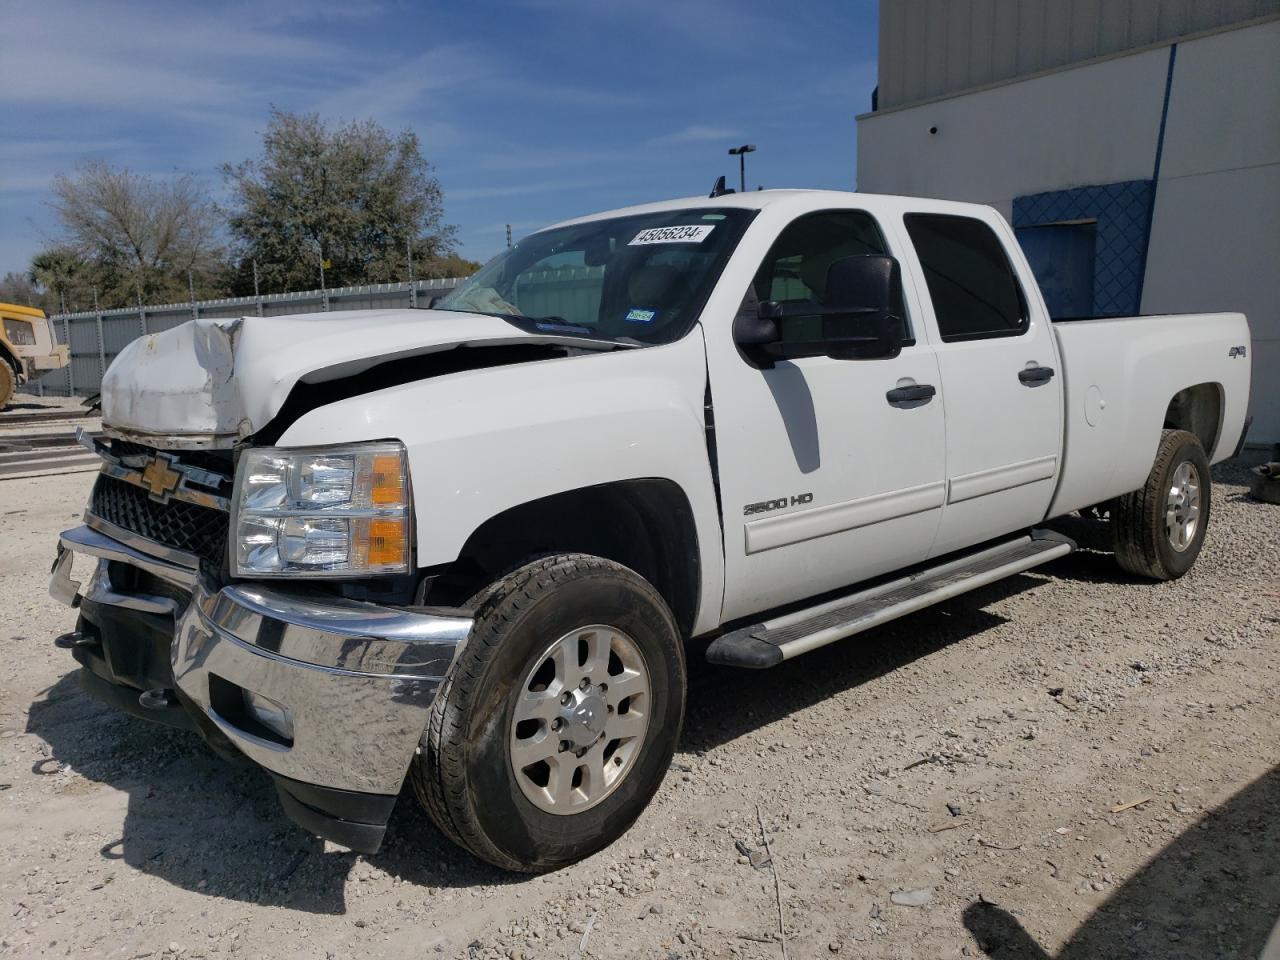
x: 1001, y: 389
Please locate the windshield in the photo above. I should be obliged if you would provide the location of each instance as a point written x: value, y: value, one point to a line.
x: 640, y: 279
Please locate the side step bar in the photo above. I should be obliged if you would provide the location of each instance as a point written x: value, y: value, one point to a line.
x: 769, y: 643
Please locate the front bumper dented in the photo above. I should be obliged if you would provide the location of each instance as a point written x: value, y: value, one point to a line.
x: 356, y: 680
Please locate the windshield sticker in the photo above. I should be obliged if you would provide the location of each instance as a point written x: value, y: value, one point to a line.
x: 636, y: 315
x: 693, y: 233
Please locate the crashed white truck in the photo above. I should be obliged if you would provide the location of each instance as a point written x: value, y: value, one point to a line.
x: 467, y: 548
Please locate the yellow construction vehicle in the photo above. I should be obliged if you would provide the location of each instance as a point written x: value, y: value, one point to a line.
x: 27, y: 348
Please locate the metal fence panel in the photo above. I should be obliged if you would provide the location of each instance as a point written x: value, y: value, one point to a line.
x: 569, y: 292
x: 167, y: 321
x: 97, y: 338
x: 119, y: 332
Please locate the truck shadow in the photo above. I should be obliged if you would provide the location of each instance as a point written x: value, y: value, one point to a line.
x: 1212, y: 892
x: 728, y: 702
x: 212, y: 827
x: 1094, y: 560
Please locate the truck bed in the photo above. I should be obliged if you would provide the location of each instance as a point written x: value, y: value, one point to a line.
x: 1120, y: 375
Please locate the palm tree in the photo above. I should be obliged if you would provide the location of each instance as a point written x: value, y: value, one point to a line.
x: 57, y: 270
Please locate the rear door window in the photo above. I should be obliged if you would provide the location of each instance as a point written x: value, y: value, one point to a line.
x: 971, y: 282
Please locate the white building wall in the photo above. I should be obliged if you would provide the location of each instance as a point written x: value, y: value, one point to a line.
x: 1215, y: 240
x: 1215, y: 236
x: 1082, y: 125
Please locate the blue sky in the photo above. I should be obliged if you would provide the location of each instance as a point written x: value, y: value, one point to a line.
x: 530, y: 110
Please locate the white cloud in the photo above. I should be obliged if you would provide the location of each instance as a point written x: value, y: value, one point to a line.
x: 25, y: 182
x: 141, y: 57
x: 406, y: 86
x: 512, y: 156
x: 522, y: 189
x: 699, y: 133
x: 32, y: 149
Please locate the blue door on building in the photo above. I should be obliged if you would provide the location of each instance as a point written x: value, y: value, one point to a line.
x: 1061, y: 256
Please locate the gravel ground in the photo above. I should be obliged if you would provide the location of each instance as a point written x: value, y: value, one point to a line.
x: 965, y: 780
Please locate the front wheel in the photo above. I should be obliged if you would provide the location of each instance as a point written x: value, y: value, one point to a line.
x: 559, y: 718
x: 1160, y: 529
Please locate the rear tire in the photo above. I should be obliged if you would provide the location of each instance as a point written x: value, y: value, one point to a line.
x: 1160, y: 529
x: 8, y: 382
x: 609, y: 746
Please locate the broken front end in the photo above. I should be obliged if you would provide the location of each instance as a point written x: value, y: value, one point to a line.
x: 263, y: 597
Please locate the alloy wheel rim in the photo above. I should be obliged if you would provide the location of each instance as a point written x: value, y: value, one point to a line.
x: 580, y: 717
x: 1182, y: 506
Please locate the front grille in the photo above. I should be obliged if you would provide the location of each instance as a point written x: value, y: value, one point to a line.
x: 183, y: 526
x: 219, y: 461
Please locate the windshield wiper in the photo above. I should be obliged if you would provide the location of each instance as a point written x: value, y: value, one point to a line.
x: 595, y: 340
x: 557, y: 323
x: 554, y: 324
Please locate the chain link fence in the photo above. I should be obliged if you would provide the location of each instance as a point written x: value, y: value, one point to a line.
x: 95, y: 337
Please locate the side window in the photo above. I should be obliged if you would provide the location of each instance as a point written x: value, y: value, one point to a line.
x: 795, y: 269
x: 971, y: 282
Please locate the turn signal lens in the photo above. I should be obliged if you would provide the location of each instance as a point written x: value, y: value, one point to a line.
x: 386, y: 542
x: 386, y: 481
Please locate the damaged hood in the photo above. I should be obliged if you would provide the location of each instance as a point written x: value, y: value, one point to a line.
x: 210, y: 382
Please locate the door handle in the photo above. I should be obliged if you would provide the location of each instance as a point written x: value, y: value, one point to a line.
x: 916, y: 393
x: 1033, y: 376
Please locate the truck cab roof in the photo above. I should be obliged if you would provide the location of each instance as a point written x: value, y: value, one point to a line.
x: 795, y: 200
x: 15, y: 309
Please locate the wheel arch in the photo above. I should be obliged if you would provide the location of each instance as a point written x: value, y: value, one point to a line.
x: 1198, y: 410
x: 645, y: 524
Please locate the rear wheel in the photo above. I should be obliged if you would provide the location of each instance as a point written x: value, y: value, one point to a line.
x: 559, y: 718
x: 8, y: 382
x: 1160, y: 529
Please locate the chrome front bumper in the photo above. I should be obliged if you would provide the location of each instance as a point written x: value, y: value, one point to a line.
x: 357, y: 680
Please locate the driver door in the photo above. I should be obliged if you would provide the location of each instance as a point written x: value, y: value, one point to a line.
x: 825, y: 479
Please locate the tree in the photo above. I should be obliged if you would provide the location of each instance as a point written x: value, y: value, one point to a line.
x: 454, y: 265
x: 18, y: 288
x: 358, y: 198
x: 62, y: 273
x: 141, y: 235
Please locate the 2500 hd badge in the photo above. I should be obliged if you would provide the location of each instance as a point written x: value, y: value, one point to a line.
x: 764, y: 506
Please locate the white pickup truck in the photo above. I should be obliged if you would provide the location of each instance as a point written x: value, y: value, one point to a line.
x: 467, y: 547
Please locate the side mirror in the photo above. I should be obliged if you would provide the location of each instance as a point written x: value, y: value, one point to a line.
x: 857, y: 321
x: 860, y: 319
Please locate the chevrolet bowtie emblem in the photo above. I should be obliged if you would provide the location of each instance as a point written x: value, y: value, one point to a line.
x: 160, y: 478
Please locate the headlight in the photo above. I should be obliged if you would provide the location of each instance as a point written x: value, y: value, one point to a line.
x: 321, y: 511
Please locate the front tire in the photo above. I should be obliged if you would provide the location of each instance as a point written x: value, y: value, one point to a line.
x: 1160, y: 529
x: 559, y: 718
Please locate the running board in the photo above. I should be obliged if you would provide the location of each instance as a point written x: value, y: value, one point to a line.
x: 769, y: 643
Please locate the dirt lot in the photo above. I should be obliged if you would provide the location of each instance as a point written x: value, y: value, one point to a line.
x: 1036, y: 709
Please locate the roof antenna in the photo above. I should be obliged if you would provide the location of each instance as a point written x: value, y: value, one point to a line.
x: 719, y: 190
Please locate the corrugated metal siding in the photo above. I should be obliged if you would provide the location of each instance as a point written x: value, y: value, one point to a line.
x: 569, y: 292
x: 933, y: 48
x: 96, y: 338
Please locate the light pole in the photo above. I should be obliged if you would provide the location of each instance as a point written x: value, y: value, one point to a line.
x: 741, y: 153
